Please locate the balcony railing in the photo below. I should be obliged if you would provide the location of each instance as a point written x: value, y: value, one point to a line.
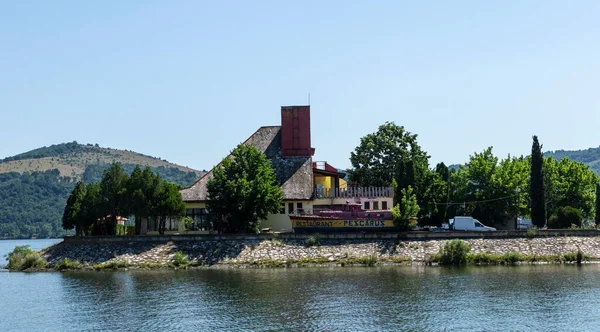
x: 354, y: 192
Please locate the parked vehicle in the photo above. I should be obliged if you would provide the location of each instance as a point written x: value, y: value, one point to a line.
x: 524, y: 223
x: 468, y: 224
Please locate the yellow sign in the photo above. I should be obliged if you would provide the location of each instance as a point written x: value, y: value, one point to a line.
x: 354, y: 223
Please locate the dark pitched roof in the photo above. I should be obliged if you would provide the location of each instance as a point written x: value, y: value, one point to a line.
x: 294, y: 174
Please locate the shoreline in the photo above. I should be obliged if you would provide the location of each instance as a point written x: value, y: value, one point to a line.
x: 293, y: 250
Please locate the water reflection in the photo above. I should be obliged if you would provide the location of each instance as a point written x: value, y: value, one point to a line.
x: 346, y: 299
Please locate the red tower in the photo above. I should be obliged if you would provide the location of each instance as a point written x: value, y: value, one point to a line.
x: 295, y: 132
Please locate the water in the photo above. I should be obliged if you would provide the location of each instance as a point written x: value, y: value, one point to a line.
x: 536, y: 298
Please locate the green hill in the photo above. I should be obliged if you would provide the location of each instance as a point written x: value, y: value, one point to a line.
x: 590, y: 157
x: 34, y: 185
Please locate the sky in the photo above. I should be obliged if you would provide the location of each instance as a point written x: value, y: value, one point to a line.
x: 188, y: 80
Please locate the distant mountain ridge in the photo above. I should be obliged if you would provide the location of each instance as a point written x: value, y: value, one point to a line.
x: 35, y: 185
x: 590, y: 157
x: 72, y: 159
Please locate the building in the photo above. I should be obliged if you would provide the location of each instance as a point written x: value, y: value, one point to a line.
x: 307, y: 185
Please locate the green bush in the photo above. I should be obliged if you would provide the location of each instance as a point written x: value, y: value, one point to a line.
x: 512, y: 258
x: 482, y: 258
x: 188, y: 223
x: 23, y: 258
x: 113, y: 265
x: 313, y: 240
x: 531, y: 233
x: 125, y: 230
x: 565, y: 217
x: 180, y: 260
x: 67, y: 264
x: 570, y: 257
x: 454, y: 252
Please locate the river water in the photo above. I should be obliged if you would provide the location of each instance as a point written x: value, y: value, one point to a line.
x: 417, y: 298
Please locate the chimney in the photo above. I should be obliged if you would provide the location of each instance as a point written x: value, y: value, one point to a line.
x: 295, y: 132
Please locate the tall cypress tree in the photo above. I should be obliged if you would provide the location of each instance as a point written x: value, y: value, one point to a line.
x: 597, y: 204
x: 538, y: 206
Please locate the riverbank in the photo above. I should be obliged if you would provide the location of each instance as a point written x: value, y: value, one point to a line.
x: 287, y: 250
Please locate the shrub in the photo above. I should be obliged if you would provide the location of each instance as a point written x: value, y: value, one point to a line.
x: 570, y: 257
x: 313, y: 240
x: 180, y: 259
x: 125, y: 230
x: 511, y: 258
x: 579, y: 257
x: 370, y: 260
x: 188, y: 223
x: 113, y: 265
x: 531, y: 233
x: 564, y: 217
x: 67, y: 264
x: 404, y: 212
x: 482, y: 258
x: 454, y: 252
x: 23, y: 258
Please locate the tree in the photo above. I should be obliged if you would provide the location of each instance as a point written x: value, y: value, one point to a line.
x: 490, y: 190
x: 511, y: 180
x: 244, y: 190
x: 597, y: 216
x: 392, y: 153
x: 439, y: 195
x: 73, y: 214
x: 538, y: 200
x: 407, y: 208
x: 168, y: 204
x: 113, y: 196
x: 142, y: 193
x: 569, y: 183
x: 90, y: 209
x: 383, y: 154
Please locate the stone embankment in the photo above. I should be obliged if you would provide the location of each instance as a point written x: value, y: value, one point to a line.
x: 269, y: 250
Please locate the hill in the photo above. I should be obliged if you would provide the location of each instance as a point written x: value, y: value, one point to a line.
x: 35, y: 185
x: 590, y: 157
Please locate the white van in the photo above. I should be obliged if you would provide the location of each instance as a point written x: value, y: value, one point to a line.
x: 468, y: 224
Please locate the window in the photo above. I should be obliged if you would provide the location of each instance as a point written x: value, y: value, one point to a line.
x: 299, y: 205
x: 367, y: 205
x: 290, y: 208
x: 384, y: 205
x: 477, y: 224
x: 299, y: 208
x: 375, y: 205
x: 282, y: 210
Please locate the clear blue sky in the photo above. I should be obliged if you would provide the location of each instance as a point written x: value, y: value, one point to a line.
x: 188, y: 80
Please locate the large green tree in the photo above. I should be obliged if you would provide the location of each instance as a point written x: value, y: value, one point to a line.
x: 113, y: 196
x: 489, y: 189
x: 244, y: 190
x: 383, y: 154
x: 569, y: 183
x: 168, y: 205
x: 90, y: 209
x: 143, y: 188
x: 537, y: 193
x: 73, y: 215
x: 392, y: 153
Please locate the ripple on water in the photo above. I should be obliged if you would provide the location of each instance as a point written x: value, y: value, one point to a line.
x: 320, y: 299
